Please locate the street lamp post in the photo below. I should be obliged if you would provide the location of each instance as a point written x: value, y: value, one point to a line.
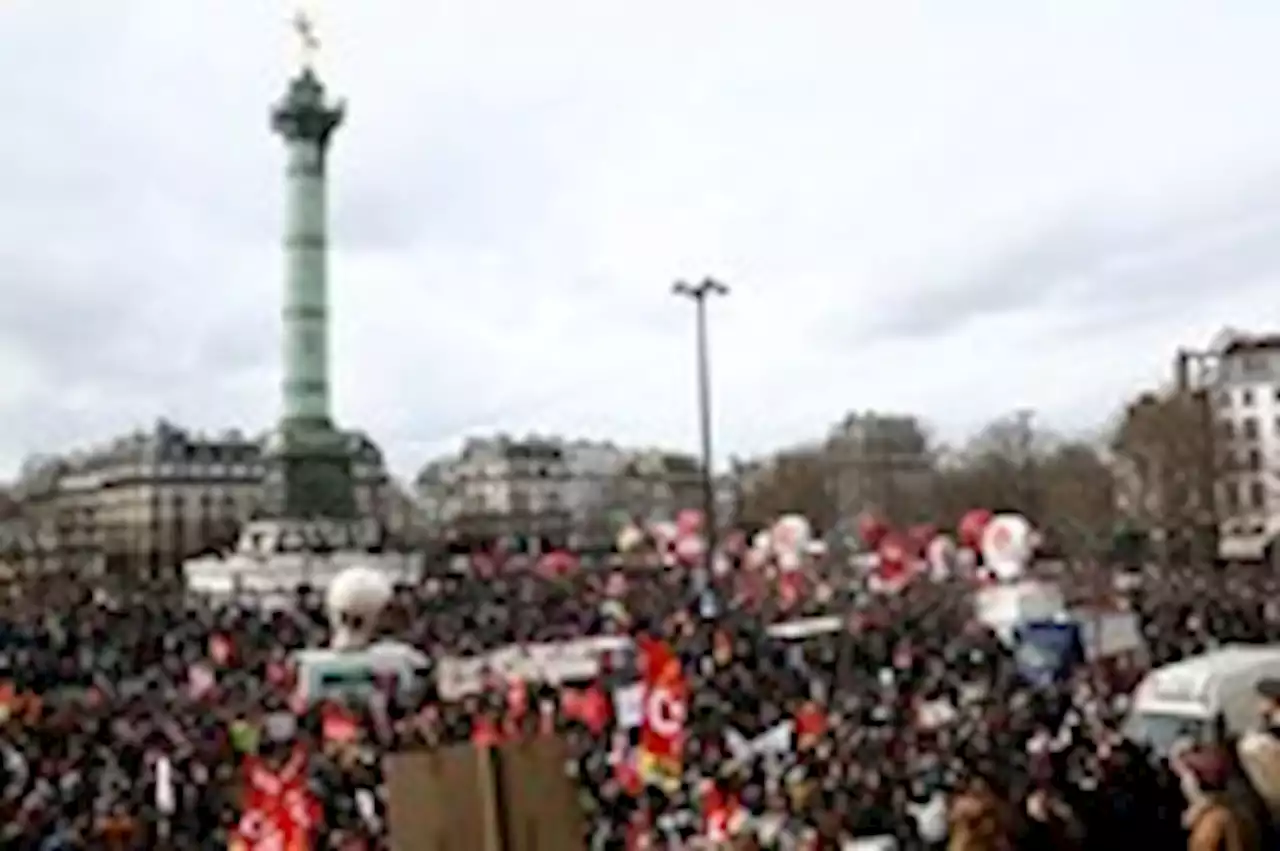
x: 698, y: 293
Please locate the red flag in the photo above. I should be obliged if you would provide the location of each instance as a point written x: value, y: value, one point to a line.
x: 721, y: 814
x: 589, y: 706
x: 811, y: 722
x: 665, y: 709
x: 338, y: 725
x: 279, y: 811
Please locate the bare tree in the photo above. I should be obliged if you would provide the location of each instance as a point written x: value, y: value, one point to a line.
x: 654, y: 486
x: 795, y: 481
x: 1077, y: 493
x: 997, y: 469
x: 882, y: 463
x: 10, y: 507
x: 1167, y: 468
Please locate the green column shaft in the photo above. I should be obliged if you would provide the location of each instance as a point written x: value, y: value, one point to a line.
x: 306, y: 302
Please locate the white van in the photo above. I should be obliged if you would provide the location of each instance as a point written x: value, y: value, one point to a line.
x: 1202, y: 698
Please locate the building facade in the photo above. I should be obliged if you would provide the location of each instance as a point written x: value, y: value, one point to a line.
x: 1164, y: 473
x: 1202, y: 457
x: 42, y: 548
x: 1242, y: 383
x: 148, y: 500
x: 880, y: 462
x: 562, y: 492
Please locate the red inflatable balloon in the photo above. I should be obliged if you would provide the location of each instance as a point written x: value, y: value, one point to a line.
x: 972, y: 525
x: 894, y: 552
x: 920, y: 536
x: 872, y: 530
x: 689, y: 522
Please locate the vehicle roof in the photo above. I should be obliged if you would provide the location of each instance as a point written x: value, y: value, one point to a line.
x: 1195, y: 678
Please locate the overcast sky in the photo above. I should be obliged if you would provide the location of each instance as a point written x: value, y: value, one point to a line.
x: 950, y: 208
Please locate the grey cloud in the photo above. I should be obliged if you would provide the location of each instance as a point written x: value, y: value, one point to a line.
x: 479, y: 178
x: 142, y: 198
x: 1093, y: 263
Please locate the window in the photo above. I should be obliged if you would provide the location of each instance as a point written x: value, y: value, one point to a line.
x: 1231, y: 496
x: 1249, y: 427
x: 1255, y: 460
x: 1228, y: 428
x: 1257, y: 494
x: 1246, y: 398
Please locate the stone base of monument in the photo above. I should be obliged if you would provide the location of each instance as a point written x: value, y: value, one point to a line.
x: 516, y: 797
x: 280, y: 556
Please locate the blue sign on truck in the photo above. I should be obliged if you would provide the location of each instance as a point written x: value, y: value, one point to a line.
x: 1046, y: 651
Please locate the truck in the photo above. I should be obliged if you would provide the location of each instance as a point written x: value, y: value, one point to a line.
x: 1201, y: 699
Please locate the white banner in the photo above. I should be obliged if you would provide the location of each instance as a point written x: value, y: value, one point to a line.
x: 553, y: 663
x: 569, y: 661
x: 775, y: 740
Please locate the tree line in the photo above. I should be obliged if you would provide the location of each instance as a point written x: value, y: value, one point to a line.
x: 1149, y: 475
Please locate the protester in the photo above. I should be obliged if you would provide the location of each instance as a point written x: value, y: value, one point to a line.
x: 1213, y: 819
x: 1259, y: 751
x: 129, y: 715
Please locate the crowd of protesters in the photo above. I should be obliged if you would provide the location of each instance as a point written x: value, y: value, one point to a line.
x: 127, y: 714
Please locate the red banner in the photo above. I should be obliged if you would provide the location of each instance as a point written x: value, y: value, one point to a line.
x: 279, y: 812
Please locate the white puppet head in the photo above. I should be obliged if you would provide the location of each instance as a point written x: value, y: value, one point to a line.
x: 1008, y: 546
x: 355, y: 602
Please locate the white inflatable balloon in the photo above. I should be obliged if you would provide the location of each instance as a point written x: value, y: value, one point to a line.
x: 664, y: 532
x: 941, y: 556
x: 690, y: 548
x: 355, y: 600
x: 1008, y: 543
x: 762, y: 543
x: 629, y: 537
x: 791, y: 534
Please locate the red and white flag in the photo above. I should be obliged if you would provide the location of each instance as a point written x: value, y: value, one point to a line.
x: 665, y: 710
x: 279, y: 812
